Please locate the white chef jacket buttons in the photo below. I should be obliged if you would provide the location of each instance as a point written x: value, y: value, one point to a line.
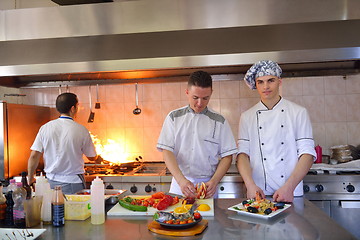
x: 262, y: 144
x: 282, y: 110
x: 282, y: 125
x: 264, y: 159
x: 282, y: 159
x: 282, y: 142
x: 260, y: 127
x: 282, y: 176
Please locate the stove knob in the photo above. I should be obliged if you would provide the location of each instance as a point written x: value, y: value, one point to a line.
x: 148, y: 188
x: 319, y: 188
x: 133, y: 189
x: 222, y: 188
x: 306, y: 188
x: 350, y: 188
x: 154, y: 189
x: 109, y: 186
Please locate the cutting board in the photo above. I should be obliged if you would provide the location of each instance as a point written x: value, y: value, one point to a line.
x: 197, y: 229
x: 118, y: 210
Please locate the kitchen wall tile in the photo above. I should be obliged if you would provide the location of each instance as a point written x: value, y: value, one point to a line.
x: 134, y: 140
x: 315, y: 106
x: 230, y: 109
x: 292, y: 87
x: 82, y: 93
x: 216, y: 90
x: 336, y: 133
x: 114, y: 93
x: 296, y: 99
x: 214, y: 104
x: 313, y: 86
x: 151, y: 136
x: 170, y: 91
x: 353, y: 107
x: 353, y: 133
x: 183, y: 96
x: 229, y: 89
x: 247, y: 103
x: 168, y: 106
x: 335, y: 108
x: 319, y: 134
x: 353, y: 83
x: 235, y: 131
x: 115, y: 114
x: 152, y: 92
x: 334, y: 85
x: 129, y: 93
x: 246, y: 92
x: 152, y: 114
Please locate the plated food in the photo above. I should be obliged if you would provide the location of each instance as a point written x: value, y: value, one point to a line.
x: 260, y: 207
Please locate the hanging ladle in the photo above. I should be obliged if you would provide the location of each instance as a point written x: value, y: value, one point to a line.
x: 92, y: 114
x: 137, y: 110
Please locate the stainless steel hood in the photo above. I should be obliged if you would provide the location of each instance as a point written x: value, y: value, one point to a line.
x: 160, y: 40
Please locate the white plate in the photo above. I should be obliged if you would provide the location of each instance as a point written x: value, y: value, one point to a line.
x: 263, y: 216
x: 20, y: 233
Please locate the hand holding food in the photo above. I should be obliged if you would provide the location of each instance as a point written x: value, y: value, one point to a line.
x: 200, y: 190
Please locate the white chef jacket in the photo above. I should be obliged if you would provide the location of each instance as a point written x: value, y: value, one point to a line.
x: 197, y: 140
x: 274, y: 139
x: 63, y: 142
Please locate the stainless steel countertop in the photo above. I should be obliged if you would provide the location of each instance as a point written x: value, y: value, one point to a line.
x: 303, y: 220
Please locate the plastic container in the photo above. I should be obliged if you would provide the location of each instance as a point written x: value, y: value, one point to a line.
x: 19, y: 196
x: 58, y: 208
x: 77, y: 207
x: 12, y: 186
x: 97, y: 201
x: 42, y: 189
x: 318, y: 151
x: 2, y: 205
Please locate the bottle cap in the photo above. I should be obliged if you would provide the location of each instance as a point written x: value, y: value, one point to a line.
x: 24, y: 174
x: 12, y: 181
x: 97, y: 180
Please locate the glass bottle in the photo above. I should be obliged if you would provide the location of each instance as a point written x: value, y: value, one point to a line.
x: 58, y: 207
x: 25, y: 184
x: 9, y: 214
x: 19, y: 196
x: 2, y: 205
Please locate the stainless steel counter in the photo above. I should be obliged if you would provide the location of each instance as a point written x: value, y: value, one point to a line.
x: 303, y: 220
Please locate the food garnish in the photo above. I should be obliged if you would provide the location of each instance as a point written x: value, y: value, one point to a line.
x: 260, y: 205
x: 200, y: 190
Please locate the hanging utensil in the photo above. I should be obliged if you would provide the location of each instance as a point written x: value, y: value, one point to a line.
x: 97, y: 104
x: 137, y: 110
x: 92, y: 114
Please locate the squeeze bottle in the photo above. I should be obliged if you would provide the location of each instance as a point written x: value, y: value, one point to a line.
x: 19, y: 196
x: 97, y: 201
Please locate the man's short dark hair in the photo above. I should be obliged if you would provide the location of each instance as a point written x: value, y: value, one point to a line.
x: 200, y: 79
x: 65, y: 101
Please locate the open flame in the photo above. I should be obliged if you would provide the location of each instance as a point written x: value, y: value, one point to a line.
x: 110, y: 150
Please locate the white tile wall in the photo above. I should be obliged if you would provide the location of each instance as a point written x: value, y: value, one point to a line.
x: 332, y: 102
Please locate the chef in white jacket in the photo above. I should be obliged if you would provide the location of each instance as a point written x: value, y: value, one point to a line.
x: 275, y: 143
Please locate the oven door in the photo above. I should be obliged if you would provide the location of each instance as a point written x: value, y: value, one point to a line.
x: 347, y: 214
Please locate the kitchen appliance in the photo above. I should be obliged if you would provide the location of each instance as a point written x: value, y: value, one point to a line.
x: 19, y: 125
x: 337, y: 193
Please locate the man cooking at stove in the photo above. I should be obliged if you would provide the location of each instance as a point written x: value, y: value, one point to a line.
x: 194, y: 138
x: 63, y: 143
x: 275, y: 144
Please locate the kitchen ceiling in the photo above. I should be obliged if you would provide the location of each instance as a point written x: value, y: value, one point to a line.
x: 155, y: 41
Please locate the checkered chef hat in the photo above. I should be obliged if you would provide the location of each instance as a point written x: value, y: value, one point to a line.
x: 259, y: 69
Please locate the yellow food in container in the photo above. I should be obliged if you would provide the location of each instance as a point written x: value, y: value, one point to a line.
x: 77, y: 207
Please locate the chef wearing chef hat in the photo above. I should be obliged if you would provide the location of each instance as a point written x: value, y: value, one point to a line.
x: 275, y: 143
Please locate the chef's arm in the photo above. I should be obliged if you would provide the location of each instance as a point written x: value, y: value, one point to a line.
x: 186, y: 186
x: 221, y: 170
x: 286, y: 192
x: 33, y: 162
x: 96, y: 159
x: 244, y: 167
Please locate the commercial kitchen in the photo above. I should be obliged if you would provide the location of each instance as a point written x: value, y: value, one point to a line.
x: 123, y: 57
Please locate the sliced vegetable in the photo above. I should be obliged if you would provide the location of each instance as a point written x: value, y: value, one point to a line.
x: 132, y: 207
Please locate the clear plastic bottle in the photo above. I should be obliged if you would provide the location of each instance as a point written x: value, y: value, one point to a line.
x: 58, y: 207
x: 12, y: 186
x: 19, y: 196
x: 42, y: 188
x: 26, y: 185
x: 97, y: 201
x: 2, y: 206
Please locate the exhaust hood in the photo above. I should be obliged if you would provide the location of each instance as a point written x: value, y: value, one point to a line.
x: 160, y: 40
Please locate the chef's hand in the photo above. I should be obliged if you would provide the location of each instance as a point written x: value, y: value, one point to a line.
x: 284, y: 194
x: 211, y: 186
x: 99, y: 159
x: 251, y: 191
x: 187, y: 188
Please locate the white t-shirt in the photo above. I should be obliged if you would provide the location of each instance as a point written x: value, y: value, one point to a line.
x: 198, y: 141
x: 274, y: 140
x: 63, y: 142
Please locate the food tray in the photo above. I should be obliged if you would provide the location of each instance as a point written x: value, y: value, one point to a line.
x: 256, y: 215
